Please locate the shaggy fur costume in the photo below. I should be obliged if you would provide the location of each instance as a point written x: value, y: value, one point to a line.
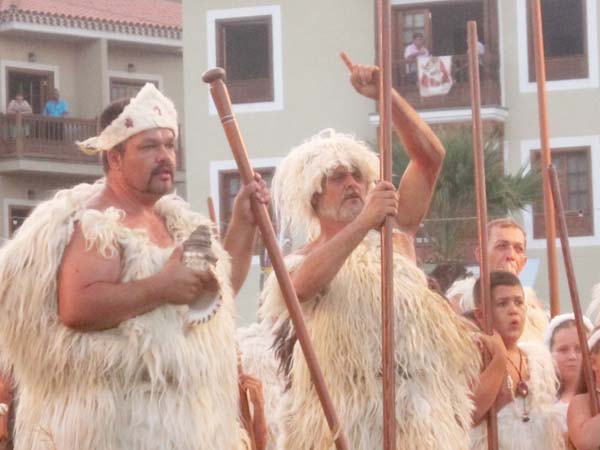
x: 434, y: 354
x: 153, y: 382
x: 256, y: 342
x: 543, y: 431
x: 537, y: 319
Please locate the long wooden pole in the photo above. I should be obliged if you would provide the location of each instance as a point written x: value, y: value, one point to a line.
x: 586, y: 364
x: 550, y: 224
x: 482, y: 218
x: 220, y: 95
x: 384, y: 54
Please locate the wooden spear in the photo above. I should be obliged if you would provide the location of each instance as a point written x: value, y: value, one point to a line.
x: 220, y: 95
x: 586, y: 364
x: 482, y: 219
x: 550, y: 224
x: 384, y: 56
x: 212, y: 215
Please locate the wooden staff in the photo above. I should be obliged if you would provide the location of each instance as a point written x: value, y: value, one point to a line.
x: 482, y: 219
x: 550, y: 224
x: 220, y: 95
x: 586, y: 364
x: 384, y: 57
x: 244, y: 402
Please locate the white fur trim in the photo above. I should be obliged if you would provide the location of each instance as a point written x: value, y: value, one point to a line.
x: 148, y: 109
x: 560, y: 319
x: 301, y: 173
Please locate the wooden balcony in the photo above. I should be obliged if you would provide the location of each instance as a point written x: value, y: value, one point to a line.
x: 50, y: 139
x: 460, y: 94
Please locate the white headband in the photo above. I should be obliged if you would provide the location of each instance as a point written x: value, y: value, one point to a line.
x: 560, y: 319
x: 594, y: 338
x: 147, y: 110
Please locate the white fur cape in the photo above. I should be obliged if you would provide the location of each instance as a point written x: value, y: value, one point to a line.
x: 434, y: 354
x: 536, y: 320
x: 543, y: 431
x: 152, y: 383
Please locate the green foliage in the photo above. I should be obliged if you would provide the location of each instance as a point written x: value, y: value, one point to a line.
x: 451, y: 221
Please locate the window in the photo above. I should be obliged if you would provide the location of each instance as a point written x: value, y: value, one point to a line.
x: 229, y: 186
x: 16, y: 216
x: 124, y: 88
x: 245, y: 51
x: 565, y: 40
x: 574, y: 173
x: 35, y: 85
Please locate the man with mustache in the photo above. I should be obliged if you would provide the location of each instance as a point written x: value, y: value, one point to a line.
x: 99, y: 317
x: 326, y: 189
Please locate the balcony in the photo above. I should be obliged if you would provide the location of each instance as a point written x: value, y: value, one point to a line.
x: 460, y: 94
x: 35, y: 143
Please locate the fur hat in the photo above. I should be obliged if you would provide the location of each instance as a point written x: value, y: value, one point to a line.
x: 300, y: 175
x: 562, y: 318
x: 148, y: 109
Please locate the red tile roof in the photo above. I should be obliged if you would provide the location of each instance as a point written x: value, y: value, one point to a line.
x: 161, y: 13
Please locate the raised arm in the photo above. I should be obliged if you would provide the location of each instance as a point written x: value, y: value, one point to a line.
x: 90, y: 296
x: 422, y: 146
x: 241, y: 232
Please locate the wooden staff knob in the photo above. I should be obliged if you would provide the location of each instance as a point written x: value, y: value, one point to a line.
x: 213, y: 75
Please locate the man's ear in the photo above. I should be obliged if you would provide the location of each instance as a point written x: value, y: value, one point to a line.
x: 478, y: 313
x: 114, y: 159
x: 314, y: 200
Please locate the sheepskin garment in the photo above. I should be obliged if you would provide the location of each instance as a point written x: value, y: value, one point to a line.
x: 434, y: 354
x: 152, y: 383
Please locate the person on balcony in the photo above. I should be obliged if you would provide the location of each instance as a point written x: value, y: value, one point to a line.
x: 19, y: 105
x: 56, y: 107
x: 411, y: 54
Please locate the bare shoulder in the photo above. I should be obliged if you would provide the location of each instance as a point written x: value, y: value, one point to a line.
x: 580, y: 404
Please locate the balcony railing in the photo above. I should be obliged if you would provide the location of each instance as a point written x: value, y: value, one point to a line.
x: 38, y: 137
x: 459, y: 95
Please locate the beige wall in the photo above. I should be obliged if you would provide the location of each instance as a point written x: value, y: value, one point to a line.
x: 316, y: 91
x: 571, y: 113
x: 91, y: 71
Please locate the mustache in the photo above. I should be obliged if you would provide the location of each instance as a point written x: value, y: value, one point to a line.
x: 351, y: 193
x: 161, y: 168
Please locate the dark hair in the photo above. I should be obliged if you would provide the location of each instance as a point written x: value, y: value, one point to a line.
x: 417, y: 35
x: 497, y: 278
x: 110, y: 113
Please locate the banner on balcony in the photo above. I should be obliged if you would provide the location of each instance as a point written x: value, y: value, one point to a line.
x: 435, y: 75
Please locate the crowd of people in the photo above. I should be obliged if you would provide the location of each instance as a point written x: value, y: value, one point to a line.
x: 101, y: 346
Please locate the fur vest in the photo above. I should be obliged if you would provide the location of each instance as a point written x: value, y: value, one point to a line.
x: 152, y: 383
x: 434, y: 355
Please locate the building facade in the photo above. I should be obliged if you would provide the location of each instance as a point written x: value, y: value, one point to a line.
x: 287, y: 83
x: 93, y: 54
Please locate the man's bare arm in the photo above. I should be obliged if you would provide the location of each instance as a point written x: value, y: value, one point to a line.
x: 424, y: 149
x: 241, y: 232
x: 91, y: 298
x: 324, y: 259
x: 584, y: 429
x: 426, y: 154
